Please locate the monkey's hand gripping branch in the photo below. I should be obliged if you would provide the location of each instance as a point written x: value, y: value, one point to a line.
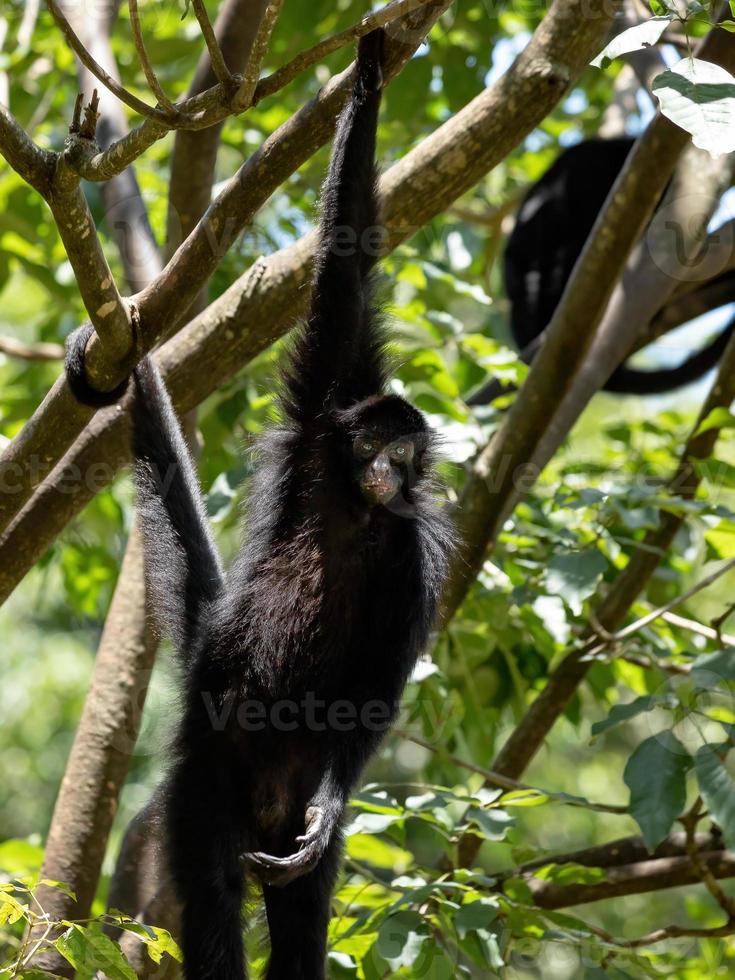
x: 321, y: 823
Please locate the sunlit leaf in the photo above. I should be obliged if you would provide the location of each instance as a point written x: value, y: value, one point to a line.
x: 700, y: 97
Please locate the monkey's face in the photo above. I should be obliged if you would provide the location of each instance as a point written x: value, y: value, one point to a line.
x: 383, y: 468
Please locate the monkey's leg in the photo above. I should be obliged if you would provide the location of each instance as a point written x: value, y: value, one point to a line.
x: 298, y: 916
x: 205, y: 842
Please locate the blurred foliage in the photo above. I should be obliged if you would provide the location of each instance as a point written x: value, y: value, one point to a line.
x: 398, y: 913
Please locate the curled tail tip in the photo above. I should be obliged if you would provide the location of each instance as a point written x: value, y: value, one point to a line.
x: 370, y: 50
x: 76, y: 374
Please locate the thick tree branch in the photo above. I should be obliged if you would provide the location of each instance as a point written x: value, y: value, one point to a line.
x: 623, y: 850
x: 103, y: 747
x: 126, y: 214
x: 263, y: 303
x: 34, y: 165
x: 656, y: 874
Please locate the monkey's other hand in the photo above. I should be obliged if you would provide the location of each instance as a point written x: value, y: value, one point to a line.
x: 280, y: 871
x: 370, y: 60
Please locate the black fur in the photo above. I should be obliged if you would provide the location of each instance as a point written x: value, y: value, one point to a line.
x: 552, y: 225
x: 76, y: 375
x: 330, y: 602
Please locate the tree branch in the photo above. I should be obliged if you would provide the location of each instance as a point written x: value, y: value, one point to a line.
x: 286, y: 73
x: 31, y: 352
x: 34, y: 165
x: 103, y: 746
x: 130, y: 100
x: 244, y: 95
x: 656, y: 874
x: 145, y: 61
x: 217, y: 61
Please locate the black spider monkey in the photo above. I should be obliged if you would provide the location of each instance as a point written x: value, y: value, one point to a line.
x: 552, y: 226
x: 296, y: 658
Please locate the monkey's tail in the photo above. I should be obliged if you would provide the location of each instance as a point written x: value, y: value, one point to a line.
x: 632, y: 381
x: 183, y: 567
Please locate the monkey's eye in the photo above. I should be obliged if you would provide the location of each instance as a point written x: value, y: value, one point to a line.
x: 402, y: 452
x: 365, y: 448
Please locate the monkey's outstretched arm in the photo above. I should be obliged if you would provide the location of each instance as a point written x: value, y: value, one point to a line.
x: 337, y: 358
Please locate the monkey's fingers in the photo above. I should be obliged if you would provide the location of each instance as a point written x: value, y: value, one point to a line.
x: 314, y: 824
x: 280, y: 871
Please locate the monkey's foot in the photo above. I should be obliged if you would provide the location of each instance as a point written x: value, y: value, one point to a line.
x: 280, y: 871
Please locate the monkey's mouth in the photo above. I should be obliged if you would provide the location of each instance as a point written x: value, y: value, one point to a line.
x: 380, y: 491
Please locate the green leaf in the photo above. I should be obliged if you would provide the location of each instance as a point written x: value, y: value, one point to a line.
x: 622, y: 712
x: 475, y: 915
x: 89, y: 950
x: 574, y: 576
x: 11, y: 910
x: 727, y: 25
x: 716, y: 471
x: 641, y: 36
x: 718, y: 418
x: 700, y: 97
x: 402, y: 937
x: 494, y: 824
x: 60, y: 886
x: 656, y: 777
x: 713, y: 667
x: 718, y: 791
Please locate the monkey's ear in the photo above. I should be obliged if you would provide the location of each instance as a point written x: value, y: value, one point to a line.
x: 370, y: 60
x: 77, y: 376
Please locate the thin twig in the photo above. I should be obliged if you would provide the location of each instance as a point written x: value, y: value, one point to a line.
x: 245, y: 95
x: 504, y: 782
x: 650, y: 663
x: 595, y: 646
x: 31, y: 352
x: 99, y: 72
x: 718, y: 621
x: 677, y: 601
x: 682, y: 622
x: 150, y: 75
x: 286, y: 73
x: 690, y: 820
x: 220, y: 69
